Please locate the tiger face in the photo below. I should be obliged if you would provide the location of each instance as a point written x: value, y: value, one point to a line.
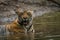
x: 25, y: 17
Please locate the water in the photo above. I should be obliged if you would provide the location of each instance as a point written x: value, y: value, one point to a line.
x: 15, y: 37
x: 38, y: 11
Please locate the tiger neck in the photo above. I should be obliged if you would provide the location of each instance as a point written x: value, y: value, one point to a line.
x: 24, y: 27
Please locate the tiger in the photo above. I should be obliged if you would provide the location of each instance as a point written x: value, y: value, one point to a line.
x: 22, y: 25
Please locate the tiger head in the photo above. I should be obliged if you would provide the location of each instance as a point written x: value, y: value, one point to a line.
x: 25, y: 17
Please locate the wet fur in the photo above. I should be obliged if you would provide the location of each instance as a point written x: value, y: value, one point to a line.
x: 15, y: 29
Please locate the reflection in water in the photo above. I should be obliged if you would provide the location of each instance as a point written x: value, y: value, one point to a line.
x: 22, y: 36
x: 14, y: 37
x: 50, y: 39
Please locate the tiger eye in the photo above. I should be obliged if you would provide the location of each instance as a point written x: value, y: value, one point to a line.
x: 29, y: 14
x: 21, y: 14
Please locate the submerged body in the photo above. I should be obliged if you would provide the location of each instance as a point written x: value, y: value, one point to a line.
x: 21, y: 28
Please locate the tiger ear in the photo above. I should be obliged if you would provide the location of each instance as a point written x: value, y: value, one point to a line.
x: 31, y: 11
x: 17, y: 11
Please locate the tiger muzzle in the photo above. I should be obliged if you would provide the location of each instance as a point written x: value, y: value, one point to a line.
x: 25, y: 21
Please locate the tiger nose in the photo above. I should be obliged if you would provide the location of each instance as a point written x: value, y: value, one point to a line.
x: 25, y: 17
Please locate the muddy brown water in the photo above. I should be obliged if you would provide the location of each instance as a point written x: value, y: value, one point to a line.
x: 38, y: 11
x: 23, y: 37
